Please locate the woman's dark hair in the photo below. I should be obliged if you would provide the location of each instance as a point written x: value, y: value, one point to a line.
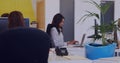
x: 57, y: 19
x: 5, y: 15
x: 15, y: 19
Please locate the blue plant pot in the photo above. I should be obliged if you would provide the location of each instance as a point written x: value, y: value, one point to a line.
x: 97, y: 51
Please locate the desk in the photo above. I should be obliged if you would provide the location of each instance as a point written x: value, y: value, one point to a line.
x: 72, y: 61
x: 108, y: 60
x: 76, y: 55
x: 115, y: 59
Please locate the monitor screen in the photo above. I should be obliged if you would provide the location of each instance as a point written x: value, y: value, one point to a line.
x: 4, y: 23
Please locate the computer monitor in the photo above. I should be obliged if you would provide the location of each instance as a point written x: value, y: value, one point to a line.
x: 4, y: 23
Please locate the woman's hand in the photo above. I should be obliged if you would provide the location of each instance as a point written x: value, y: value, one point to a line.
x: 72, y: 42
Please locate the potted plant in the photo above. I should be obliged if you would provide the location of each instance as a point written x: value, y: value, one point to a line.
x: 107, y: 48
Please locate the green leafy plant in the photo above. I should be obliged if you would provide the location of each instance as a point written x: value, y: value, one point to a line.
x: 103, y: 28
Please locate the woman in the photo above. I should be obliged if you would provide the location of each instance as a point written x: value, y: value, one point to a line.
x: 118, y: 33
x: 55, y: 30
x: 15, y: 19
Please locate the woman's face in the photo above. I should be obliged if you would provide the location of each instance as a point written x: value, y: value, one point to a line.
x: 61, y: 23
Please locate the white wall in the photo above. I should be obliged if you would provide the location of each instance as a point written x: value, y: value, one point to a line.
x: 86, y: 26
x: 34, y: 5
x: 51, y: 8
x: 117, y: 9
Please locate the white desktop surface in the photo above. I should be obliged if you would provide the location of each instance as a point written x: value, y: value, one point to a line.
x: 72, y: 61
x: 108, y: 60
x: 77, y: 55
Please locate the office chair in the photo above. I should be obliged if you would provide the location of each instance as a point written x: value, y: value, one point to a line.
x: 49, y: 26
x: 24, y: 45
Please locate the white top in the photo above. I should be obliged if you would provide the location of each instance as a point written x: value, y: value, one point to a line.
x: 58, y: 39
x: 118, y: 35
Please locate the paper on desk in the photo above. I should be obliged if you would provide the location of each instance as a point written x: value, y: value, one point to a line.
x: 74, y: 57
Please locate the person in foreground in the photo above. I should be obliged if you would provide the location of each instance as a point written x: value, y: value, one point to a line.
x: 24, y: 45
x: 55, y: 30
x: 15, y: 19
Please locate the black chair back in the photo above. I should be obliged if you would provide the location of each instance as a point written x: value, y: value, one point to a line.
x: 24, y: 45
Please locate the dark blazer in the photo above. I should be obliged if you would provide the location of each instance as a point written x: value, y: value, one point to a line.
x: 24, y: 45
